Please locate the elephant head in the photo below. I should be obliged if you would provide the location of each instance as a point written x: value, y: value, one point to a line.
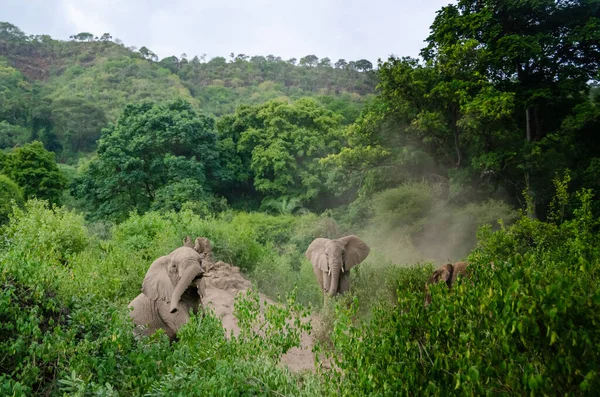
x: 171, y: 275
x: 446, y: 273
x: 203, y: 247
x: 332, y: 257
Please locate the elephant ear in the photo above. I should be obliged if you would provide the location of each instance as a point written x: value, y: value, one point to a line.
x: 157, y: 284
x: 356, y: 251
x: 315, y: 253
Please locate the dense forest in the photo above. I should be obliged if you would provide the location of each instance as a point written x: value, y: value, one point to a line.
x: 483, y: 149
x: 65, y: 92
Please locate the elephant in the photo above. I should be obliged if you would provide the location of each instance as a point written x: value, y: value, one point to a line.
x: 447, y: 273
x: 329, y: 258
x: 173, y: 285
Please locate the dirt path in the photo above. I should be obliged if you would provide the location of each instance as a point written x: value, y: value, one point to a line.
x: 225, y: 283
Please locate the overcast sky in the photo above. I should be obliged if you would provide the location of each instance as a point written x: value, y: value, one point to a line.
x: 349, y: 29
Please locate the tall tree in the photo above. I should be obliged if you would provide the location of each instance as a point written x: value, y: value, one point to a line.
x: 276, y: 147
x: 35, y: 170
x: 543, y: 50
x: 150, y: 148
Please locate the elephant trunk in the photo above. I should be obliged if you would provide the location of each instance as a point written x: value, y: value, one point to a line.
x: 335, y: 279
x: 191, y: 271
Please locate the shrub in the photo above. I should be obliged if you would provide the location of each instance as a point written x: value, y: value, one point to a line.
x: 407, y: 205
x: 64, y: 330
x: 46, y: 233
x: 10, y: 194
x: 527, y: 327
x: 276, y: 275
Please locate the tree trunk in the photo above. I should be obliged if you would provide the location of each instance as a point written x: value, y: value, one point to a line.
x: 530, y: 120
x: 456, y: 138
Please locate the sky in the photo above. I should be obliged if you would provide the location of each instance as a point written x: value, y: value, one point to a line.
x: 348, y: 29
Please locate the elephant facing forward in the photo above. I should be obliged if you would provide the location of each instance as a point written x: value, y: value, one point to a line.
x: 173, y: 285
x: 333, y: 259
x: 446, y: 273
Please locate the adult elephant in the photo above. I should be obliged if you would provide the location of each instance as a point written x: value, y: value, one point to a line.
x: 172, y: 287
x: 333, y: 259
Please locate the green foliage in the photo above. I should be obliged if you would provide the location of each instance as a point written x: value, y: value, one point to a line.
x: 65, y: 92
x: 280, y: 144
x: 408, y: 205
x: 155, y: 155
x: 222, y: 86
x: 524, y: 326
x: 493, y: 107
x: 10, y: 194
x: 14, y: 91
x: 35, y: 170
x: 49, y: 233
x: 65, y: 329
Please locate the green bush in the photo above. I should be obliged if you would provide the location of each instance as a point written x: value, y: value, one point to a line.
x: 528, y: 326
x: 276, y: 275
x: 45, y: 233
x: 10, y: 194
x: 408, y: 205
x: 64, y: 330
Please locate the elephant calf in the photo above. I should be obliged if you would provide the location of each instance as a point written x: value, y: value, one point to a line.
x: 447, y: 273
x: 173, y: 285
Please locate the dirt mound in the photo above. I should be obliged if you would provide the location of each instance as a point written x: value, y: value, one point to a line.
x: 227, y: 277
x: 223, y: 285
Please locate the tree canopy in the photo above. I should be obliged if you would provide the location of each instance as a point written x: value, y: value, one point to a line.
x: 274, y: 148
x: 151, y: 150
x: 35, y: 171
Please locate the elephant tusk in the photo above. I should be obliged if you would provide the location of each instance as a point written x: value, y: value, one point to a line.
x: 329, y: 272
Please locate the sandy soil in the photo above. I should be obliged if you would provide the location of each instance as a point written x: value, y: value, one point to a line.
x: 223, y: 285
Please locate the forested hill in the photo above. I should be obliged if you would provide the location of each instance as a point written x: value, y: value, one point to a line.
x: 64, y: 92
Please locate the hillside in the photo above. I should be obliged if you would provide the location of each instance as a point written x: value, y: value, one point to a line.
x: 65, y: 92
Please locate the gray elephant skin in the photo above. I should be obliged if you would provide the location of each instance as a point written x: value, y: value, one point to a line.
x: 173, y: 285
x: 447, y: 273
x: 333, y: 259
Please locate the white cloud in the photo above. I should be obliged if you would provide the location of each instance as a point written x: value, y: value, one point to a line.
x: 349, y: 29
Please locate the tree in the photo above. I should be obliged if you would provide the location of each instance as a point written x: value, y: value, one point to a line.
x: 150, y: 147
x: 545, y: 52
x: 77, y: 122
x: 11, y: 33
x: 309, y: 60
x: 147, y: 54
x: 11, y: 135
x: 276, y: 147
x: 35, y: 170
x: 324, y: 63
x: 106, y: 37
x: 341, y: 64
x: 171, y: 63
x: 364, y: 65
x: 527, y: 47
x: 83, y: 36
